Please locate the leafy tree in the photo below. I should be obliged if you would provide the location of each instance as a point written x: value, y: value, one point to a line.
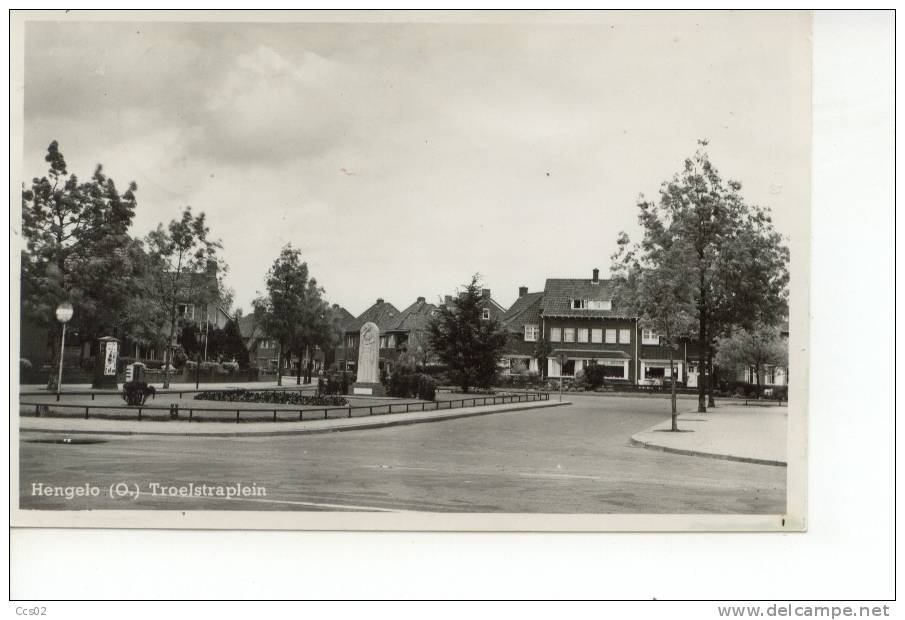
x: 183, y: 261
x: 734, y: 259
x: 293, y: 311
x: 651, y: 283
x: 469, y: 345
x: 77, y: 248
x: 754, y: 349
x: 542, y: 351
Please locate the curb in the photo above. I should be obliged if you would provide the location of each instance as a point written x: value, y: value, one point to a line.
x: 304, y: 431
x: 710, y: 455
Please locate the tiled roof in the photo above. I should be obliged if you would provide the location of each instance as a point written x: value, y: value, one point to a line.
x: 382, y: 313
x: 559, y: 291
x: 247, y: 326
x: 525, y: 309
x: 346, y: 318
x: 416, y: 316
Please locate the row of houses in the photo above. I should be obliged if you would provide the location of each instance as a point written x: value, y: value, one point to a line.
x: 578, y: 317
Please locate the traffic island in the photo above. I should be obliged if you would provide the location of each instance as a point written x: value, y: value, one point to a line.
x: 731, y: 432
x: 216, y: 429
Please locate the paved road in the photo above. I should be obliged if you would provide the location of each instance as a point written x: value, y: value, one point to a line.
x: 573, y: 459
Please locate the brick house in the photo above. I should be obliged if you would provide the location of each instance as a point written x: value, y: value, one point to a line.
x: 383, y: 314
x: 263, y: 351
x: 583, y: 324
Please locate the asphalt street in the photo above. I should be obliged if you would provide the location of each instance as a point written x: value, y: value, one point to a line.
x: 574, y: 459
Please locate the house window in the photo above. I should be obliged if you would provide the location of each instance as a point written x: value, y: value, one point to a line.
x: 579, y: 304
x: 555, y: 334
x: 625, y: 336
x: 611, y: 336
x: 569, y: 334
x: 531, y: 332
x: 185, y: 311
x: 582, y: 334
x: 350, y: 342
x: 568, y: 369
x: 600, y: 305
x: 614, y: 370
x: 597, y: 336
x: 649, y: 336
x: 391, y: 341
x: 485, y: 314
x: 383, y: 342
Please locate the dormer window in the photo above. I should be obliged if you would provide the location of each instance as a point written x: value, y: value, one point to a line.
x: 590, y: 304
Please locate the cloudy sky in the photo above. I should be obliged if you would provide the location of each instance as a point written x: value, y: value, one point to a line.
x: 400, y: 157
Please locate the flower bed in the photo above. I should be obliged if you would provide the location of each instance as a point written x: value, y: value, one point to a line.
x: 273, y: 396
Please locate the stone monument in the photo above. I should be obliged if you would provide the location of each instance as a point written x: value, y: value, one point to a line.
x: 367, y: 380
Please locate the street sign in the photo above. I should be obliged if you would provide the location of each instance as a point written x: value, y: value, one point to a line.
x: 64, y: 312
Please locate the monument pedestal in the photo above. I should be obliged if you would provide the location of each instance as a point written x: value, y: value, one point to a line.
x: 367, y: 389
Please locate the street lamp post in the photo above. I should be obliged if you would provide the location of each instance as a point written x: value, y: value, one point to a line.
x: 64, y: 313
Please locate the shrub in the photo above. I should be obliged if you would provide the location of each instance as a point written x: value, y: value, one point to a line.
x: 135, y: 393
x: 781, y: 392
x: 411, y: 385
x: 594, y: 376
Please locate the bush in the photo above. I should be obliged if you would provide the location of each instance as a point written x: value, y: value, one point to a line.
x: 135, y: 393
x: 781, y: 392
x: 594, y: 376
x: 411, y: 385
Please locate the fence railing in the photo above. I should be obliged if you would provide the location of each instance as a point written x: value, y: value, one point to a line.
x: 174, y: 409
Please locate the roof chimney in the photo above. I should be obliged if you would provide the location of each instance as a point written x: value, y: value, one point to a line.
x: 380, y: 300
x: 485, y: 293
x: 211, y: 267
x: 448, y: 299
x: 421, y: 300
x: 522, y: 291
x: 596, y: 277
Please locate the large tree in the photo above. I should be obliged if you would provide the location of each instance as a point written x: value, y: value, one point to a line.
x: 733, y: 258
x: 753, y: 349
x: 468, y: 344
x: 293, y: 311
x: 77, y: 249
x: 652, y: 283
x: 181, y: 260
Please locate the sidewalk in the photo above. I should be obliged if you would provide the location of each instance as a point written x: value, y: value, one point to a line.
x: 731, y: 432
x: 263, y: 429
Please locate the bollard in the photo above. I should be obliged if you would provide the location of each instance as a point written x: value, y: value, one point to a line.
x: 300, y: 415
x: 325, y: 414
x: 237, y: 416
x: 370, y: 410
x: 139, y: 414
x: 190, y: 415
x: 274, y: 415
x: 37, y: 411
x: 86, y: 413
